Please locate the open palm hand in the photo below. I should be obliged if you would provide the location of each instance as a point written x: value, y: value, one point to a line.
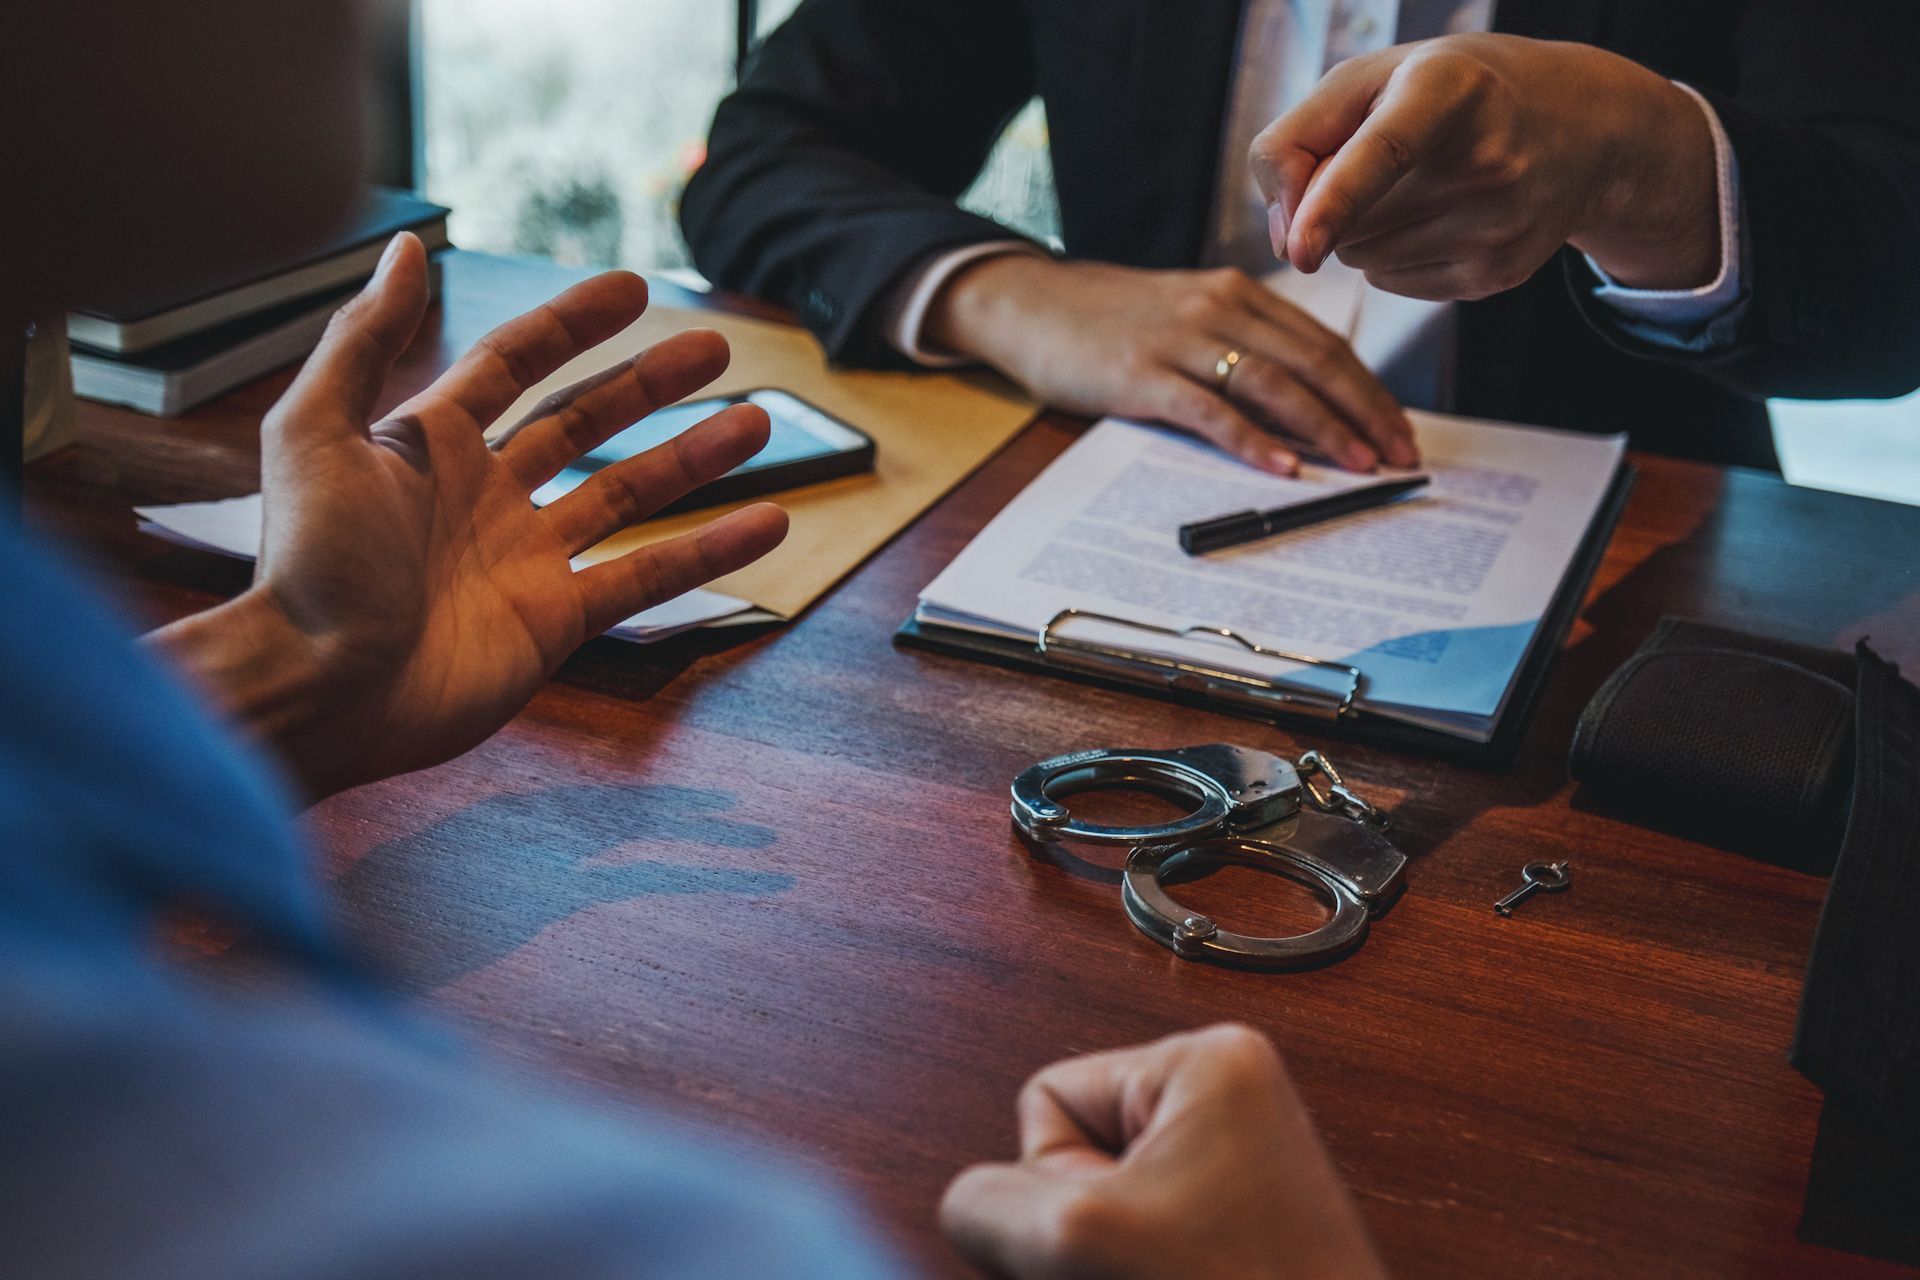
x: 410, y: 596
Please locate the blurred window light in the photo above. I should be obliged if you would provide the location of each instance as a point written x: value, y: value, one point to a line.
x: 1868, y: 447
x: 568, y: 131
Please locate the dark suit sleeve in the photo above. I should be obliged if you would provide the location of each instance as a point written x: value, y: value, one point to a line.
x: 1824, y: 117
x: 832, y: 170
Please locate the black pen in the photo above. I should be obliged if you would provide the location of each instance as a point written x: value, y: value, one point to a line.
x: 1246, y: 526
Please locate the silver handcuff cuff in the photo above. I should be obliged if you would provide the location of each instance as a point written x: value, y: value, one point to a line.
x: 1251, y: 808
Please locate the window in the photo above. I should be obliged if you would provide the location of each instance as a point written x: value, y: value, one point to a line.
x: 567, y: 131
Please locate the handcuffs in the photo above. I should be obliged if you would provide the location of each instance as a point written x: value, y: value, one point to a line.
x: 1252, y: 808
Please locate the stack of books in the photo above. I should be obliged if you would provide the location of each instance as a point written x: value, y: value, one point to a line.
x: 165, y: 354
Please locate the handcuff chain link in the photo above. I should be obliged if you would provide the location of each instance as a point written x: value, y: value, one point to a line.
x: 1338, y: 798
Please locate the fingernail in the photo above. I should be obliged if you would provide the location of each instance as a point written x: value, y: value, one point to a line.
x: 1311, y: 251
x: 1277, y: 230
x: 1360, y: 458
x: 1283, y: 462
x: 1397, y: 451
x: 387, y: 260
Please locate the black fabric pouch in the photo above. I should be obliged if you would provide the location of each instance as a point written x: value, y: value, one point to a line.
x: 1805, y: 757
x: 1739, y: 741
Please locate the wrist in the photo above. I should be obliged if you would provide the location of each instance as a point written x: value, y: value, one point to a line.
x: 979, y: 307
x: 1656, y: 216
x: 263, y: 675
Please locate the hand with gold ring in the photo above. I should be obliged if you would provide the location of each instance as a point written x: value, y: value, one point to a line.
x: 1212, y: 352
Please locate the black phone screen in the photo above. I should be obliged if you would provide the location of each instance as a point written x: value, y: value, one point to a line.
x: 804, y: 445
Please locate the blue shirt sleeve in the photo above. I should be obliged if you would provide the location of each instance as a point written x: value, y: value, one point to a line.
x: 303, y: 1124
x: 118, y: 793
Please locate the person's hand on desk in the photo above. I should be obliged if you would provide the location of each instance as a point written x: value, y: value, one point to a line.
x: 1093, y: 339
x: 1454, y: 168
x: 409, y: 598
x: 1191, y: 1156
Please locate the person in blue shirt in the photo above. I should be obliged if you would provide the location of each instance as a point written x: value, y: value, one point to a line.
x: 157, y: 1120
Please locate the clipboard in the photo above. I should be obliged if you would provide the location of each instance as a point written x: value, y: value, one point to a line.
x: 1299, y: 707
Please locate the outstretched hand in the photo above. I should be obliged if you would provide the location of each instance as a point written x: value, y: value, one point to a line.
x: 409, y: 598
x: 1189, y: 1156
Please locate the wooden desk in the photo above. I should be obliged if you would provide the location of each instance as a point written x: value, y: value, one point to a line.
x: 770, y: 878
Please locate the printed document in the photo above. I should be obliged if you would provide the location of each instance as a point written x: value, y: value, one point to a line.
x: 1436, y: 597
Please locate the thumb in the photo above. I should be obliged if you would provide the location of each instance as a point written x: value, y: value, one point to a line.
x: 341, y: 380
x: 1023, y: 1221
x: 1286, y: 154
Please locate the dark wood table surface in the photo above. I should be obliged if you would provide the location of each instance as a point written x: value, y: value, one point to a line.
x: 768, y: 877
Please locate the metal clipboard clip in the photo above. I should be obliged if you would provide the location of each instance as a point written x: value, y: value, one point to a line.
x: 1236, y: 687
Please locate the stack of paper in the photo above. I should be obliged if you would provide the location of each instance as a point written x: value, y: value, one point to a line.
x: 1437, y: 598
x: 232, y: 527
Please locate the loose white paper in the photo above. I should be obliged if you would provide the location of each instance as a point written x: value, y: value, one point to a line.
x: 231, y: 526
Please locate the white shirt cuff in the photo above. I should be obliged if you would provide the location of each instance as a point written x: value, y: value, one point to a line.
x: 1685, y: 319
x: 906, y: 313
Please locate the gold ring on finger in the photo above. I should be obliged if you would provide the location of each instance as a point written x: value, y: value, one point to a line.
x: 1224, y: 367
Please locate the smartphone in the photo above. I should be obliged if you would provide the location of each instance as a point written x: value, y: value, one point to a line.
x: 806, y: 444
